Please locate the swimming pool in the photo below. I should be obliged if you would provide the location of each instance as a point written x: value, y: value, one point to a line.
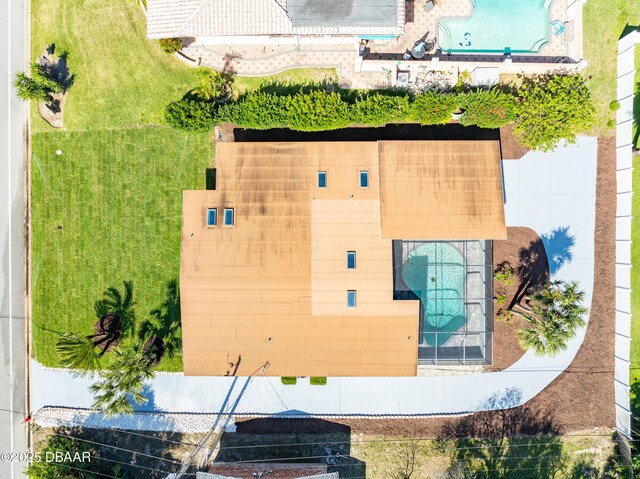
x: 518, y: 26
x: 435, y: 272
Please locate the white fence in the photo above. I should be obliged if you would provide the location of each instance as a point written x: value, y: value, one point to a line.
x: 624, y: 189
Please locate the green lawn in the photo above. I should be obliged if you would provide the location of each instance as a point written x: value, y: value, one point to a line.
x: 604, y: 22
x: 122, y: 79
x: 116, y: 190
x: 636, y: 103
x: 118, y: 196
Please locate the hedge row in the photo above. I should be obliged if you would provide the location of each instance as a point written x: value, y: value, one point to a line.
x: 545, y: 109
x: 319, y: 110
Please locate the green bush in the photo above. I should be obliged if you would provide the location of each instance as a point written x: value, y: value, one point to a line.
x: 317, y: 111
x: 487, y: 108
x: 258, y: 110
x: 614, y: 105
x: 378, y: 110
x: 289, y: 380
x: 61, y: 469
x: 432, y: 108
x: 37, y: 87
x: 553, y: 107
x: 318, y: 381
x: 170, y: 45
x: 191, y: 115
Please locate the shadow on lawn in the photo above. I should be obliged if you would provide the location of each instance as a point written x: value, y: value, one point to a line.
x: 509, y: 443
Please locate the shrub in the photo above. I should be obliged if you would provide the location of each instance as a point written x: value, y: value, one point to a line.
x: 289, y: 380
x: 75, y: 467
x: 505, y: 273
x: 432, y: 108
x: 213, y: 84
x: 258, y: 110
x: 37, y: 87
x: 553, y: 107
x: 487, y: 108
x: 318, y: 381
x: 191, y: 115
x: 170, y: 45
x: 614, y: 105
x: 317, y: 111
x: 378, y: 110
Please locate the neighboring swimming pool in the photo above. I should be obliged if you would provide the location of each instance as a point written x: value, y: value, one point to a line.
x: 518, y: 26
x: 435, y: 272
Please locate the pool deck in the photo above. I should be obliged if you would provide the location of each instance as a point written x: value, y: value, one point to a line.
x: 427, y: 23
x: 547, y: 192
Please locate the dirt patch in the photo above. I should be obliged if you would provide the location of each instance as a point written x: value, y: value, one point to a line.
x: 522, y: 252
x: 511, y: 148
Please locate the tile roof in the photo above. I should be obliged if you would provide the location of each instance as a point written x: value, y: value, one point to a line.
x: 198, y: 18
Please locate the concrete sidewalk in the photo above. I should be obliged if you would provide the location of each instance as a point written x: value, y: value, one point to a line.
x: 552, y: 193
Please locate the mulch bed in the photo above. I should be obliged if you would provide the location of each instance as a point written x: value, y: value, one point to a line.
x: 511, y: 148
x: 524, y: 252
x: 580, y: 398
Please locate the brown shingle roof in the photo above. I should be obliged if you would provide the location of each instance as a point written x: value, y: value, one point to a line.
x: 274, y: 287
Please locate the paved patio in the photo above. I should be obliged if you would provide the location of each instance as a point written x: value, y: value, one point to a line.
x: 272, y: 58
x: 548, y: 192
x: 426, y: 22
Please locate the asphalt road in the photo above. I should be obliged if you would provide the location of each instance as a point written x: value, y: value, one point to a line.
x: 13, y: 31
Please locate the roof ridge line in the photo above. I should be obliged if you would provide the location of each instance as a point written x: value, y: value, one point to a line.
x: 277, y: 2
x: 197, y: 10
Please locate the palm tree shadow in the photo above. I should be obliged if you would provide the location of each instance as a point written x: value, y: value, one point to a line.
x: 532, y: 270
x: 163, y: 329
x: 558, y: 244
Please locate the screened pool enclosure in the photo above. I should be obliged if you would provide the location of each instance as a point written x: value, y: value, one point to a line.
x: 453, y: 282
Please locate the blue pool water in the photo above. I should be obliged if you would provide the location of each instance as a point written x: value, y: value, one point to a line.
x: 436, y: 273
x: 497, y: 26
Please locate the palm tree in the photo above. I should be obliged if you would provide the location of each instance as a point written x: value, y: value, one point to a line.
x: 163, y: 328
x: 123, y: 381
x: 115, y: 309
x: 213, y: 84
x: 38, y: 87
x: 555, y: 314
x: 76, y: 351
x: 29, y: 89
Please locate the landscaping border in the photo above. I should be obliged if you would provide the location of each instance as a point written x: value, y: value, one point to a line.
x: 624, y: 194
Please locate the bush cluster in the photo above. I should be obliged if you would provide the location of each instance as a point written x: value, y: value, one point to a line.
x: 170, y: 45
x: 190, y: 114
x: 553, y: 107
x: 434, y: 108
x: 487, y: 108
x: 545, y: 108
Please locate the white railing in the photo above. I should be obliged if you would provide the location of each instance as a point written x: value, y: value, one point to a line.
x: 624, y: 190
